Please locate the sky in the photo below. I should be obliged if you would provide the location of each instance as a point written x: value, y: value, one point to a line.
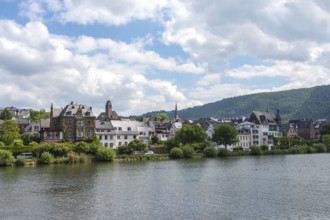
x: 148, y: 55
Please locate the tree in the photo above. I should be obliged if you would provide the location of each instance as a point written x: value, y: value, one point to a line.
x: 325, y: 129
x: 9, y: 131
x: 105, y: 154
x: 37, y: 115
x: 135, y: 145
x: 162, y: 116
x: 5, y: 115
x: 190, y: 134
x: 225, y: 134
x: 326, y: 141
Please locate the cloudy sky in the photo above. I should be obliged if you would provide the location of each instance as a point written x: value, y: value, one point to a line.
x: 147, y: 55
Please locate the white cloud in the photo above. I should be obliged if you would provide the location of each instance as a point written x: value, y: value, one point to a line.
x: 37, y: 69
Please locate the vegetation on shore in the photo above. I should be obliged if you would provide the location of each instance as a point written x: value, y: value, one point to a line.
x: 189, y: 142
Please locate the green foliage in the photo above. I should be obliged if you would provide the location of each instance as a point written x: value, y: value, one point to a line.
x: 223, y: 152
x: 5, y: 115
x: 256, y: 150
x: 312, y: 103
x: 33, y: 144
x: 56, y: 149
x: 237, y: 149
x: 264, y: 147
x: 176, y: 153
x: 154, y: 139
x: 225, y: 134
x: 38, y: 115
x: 320, y: 148
x: 6, y: 158
x: 46, y: 158
x: 210, y: 151
x: 188, y: 151
x: 2, y: 144
x: 20, y: 162
x: 135, y: 145
x: 298, y: 149
x: 81, y: 147
x: 76, y: 157
x: 325, y: 129
x: 105, y: 154
x: 18, y: 143
x: 9, y: 131
x: 162, y: 116
x: 29, y: 137
x: 171, y: 143
x: 18, y: 150
x: 190, y: 134
x: 326, y: 141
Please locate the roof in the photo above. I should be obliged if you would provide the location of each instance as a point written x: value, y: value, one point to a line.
x: 74, y: 109
x: 263, y: 117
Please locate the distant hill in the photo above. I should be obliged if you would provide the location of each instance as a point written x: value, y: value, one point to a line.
x: 293, y: 104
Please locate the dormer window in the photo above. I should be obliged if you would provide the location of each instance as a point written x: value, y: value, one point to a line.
x: 129, y: 129
x: 119, y: 128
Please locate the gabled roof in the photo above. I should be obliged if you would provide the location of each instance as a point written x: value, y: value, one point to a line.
x: 74, y: 109
x: 263, y: 117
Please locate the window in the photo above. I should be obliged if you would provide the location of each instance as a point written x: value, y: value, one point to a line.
x: 119, y: 144
x: 129, y: 129
x: 111, y: 145
x: 70, y: 122
x: 111, y: 137
x: 118, y: 137
x: 125, y: 143
x: 106, y: 137
x: 119, y: 128
x: 80, y: 123
x: 125, y: 137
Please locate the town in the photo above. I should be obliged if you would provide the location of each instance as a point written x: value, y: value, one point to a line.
x: 76, y: 122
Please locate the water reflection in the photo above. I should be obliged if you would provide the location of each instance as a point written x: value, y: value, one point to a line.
x: 269, y: 187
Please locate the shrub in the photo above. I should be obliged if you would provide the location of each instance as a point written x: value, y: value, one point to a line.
x: 210, y: 151
x: 18, y: 143
x: 223, y: 152
x: 311, y: 150
x: 264, y: 147
x: 176, y: 153
x: 171, y: 143
x: 33, y: 144
x: 188, y: 151
x: 76, y: 157
x: 93, y: 148
x: 255, y: 150
x: 6, y: 158
x: 238, y: 149
x: 81, y: 147
x: 298, y: 150
x: 105, y: 154
x: 320, y: 148
x: 46, y: 158
x: 20, y: 162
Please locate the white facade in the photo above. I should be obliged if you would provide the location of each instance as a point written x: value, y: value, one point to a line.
x: 116, y: 133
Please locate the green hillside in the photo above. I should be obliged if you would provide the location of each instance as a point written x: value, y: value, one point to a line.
x: 293, y: 104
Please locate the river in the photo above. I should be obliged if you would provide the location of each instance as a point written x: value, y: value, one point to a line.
x: 266, y: 187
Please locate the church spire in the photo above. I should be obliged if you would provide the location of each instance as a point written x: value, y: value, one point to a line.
x: 176, y: 116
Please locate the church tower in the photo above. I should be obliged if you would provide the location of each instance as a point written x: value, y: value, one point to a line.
x: 108, y: 109
x: 176, y: 116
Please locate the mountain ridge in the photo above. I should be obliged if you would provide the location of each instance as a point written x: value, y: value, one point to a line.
x: 301, y: 103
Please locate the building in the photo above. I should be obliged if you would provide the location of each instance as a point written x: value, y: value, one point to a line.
x: 267, y: 126
x: 74, y: 122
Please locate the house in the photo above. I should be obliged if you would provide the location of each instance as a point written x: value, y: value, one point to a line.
x: 304, y: 128
x: 116, y: 133
x: 245, y: 134
x: 267, y: 126
x: 74, y: 122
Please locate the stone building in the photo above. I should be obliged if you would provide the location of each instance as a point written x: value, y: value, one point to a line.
x: 74, y: 122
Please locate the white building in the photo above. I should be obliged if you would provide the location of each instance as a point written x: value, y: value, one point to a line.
x: 116, y: 133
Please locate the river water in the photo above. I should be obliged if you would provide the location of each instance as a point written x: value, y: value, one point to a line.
x: 267, y: 187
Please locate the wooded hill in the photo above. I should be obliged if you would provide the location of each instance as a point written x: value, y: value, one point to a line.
x: 293, y: 104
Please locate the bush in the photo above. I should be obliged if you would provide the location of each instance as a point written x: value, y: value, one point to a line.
x: 33, y: 144
x: 311, y: 150
x: 320, y: 148
x: 223, y: 152
x: 256, y: 150
x: 18, y: 143
x: 105, y: 154
x: 210, y: 151
x: 298, y: 150
x: 188, y: 152
x: 46, y: 158
x: 20, y: 162
x: 176, y: 153
x: 6, y: 158
x: 2, y: 144
x: 81, y: 147
x: 264, y: 148
x: 238, y: 149
x: 77, y: 158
